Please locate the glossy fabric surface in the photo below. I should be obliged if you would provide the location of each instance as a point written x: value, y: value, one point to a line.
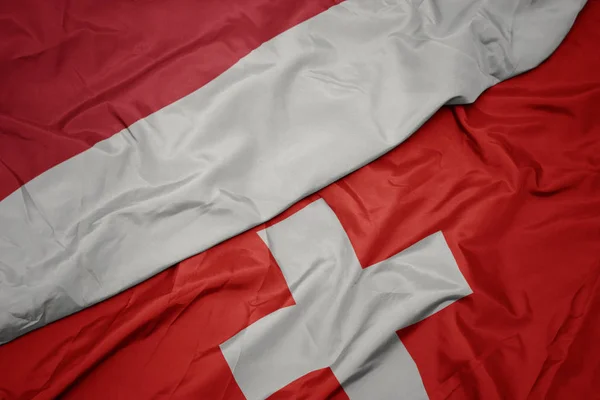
x: 309, y: 106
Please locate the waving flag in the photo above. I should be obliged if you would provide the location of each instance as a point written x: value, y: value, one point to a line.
x: 460, y: 265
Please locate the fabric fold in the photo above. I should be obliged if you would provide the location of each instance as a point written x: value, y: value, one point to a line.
x: 302, y: 110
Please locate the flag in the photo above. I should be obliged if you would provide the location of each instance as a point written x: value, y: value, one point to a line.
x: 460, y: 264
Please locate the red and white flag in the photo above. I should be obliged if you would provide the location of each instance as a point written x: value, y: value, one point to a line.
x: 461, y: 264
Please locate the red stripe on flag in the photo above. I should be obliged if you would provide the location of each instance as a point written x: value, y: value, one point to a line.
x: 75, y: 73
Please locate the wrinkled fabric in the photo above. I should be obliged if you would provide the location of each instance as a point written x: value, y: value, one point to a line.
x: 302, y: 110
x: 345, y: 315
x: 514, y: 182
x: 76, y: 73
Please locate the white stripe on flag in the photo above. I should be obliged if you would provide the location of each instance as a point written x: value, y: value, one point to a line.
x: 304, y: 109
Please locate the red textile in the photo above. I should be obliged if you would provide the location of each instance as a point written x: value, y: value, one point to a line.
x: 74, y: 73
x: 513, y: 181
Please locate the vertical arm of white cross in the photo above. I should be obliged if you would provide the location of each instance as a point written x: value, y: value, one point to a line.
x: 319, y: 265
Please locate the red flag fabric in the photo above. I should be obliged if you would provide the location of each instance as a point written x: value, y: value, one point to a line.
x: 513, y: 182
x: 313, y: 103
x: 118, y: 69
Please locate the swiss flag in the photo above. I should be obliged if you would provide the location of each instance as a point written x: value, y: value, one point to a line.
x: 510, y: 186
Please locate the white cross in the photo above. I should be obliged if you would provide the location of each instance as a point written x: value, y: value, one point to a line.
x: 345, y: 317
